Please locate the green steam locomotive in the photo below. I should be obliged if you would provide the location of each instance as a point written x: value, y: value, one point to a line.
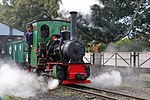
x: 56, y: 51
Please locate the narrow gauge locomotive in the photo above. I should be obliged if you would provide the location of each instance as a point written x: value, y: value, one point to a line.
x: 56, y: 52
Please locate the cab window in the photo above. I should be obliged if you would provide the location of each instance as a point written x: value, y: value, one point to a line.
x: 44, y: 31
x: 63, y: 28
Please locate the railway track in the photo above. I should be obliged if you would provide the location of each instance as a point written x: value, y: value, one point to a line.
x: 103, y: 94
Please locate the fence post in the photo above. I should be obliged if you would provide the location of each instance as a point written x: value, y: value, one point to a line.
x: 138, y: 64
x: 93, y: 58
x: 134, y: 59
x: 138, y: 60
x: 115, y: 59
x: 101, y: 58
x: 130, y: 59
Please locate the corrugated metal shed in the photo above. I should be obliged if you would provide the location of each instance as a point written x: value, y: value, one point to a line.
x: 8, y: 33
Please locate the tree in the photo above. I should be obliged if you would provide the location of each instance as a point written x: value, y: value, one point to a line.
x: 119, y: 18
x: 20, y: 12
x: 112, y: 20
x: 129, y: 45
x: 52, y: 6
x: 141, y: 28
x: 0, y: 13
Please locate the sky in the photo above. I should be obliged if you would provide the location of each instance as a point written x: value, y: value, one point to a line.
x: 78, y: 5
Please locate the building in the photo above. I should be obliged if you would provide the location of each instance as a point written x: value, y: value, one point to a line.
x: 8, y: 33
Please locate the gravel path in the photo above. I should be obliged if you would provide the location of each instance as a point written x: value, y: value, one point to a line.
x: 60, y: 94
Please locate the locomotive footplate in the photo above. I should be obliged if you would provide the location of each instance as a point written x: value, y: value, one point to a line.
x: 75, y: 81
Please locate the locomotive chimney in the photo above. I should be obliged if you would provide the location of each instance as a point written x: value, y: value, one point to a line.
x: 73, y: 25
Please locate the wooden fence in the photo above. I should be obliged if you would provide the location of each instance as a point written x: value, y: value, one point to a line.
x: 126, y: 59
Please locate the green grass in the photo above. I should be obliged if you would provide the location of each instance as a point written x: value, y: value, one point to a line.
x: 9, y: 98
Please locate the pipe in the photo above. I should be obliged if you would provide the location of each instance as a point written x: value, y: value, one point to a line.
x: 73, y: 35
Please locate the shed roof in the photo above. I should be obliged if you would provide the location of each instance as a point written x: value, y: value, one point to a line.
x: 9, y: 30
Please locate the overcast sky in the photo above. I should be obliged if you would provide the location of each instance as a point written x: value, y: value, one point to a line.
x: 78, y: 5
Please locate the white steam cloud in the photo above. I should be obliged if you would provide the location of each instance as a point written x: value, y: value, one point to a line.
x: 1, y: 1
x: 14, y: 81
x: 53, y: 83
x: 108, y: 79
x: 19, y: 83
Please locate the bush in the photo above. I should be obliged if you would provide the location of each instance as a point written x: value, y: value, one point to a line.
x: 127, y: 45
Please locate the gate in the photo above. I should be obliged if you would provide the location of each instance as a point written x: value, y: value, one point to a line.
x: 125, y: 59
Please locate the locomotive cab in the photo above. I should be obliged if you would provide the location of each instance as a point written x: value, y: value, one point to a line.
x: 44, y: 31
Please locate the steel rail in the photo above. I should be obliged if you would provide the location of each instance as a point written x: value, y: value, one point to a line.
x: 79, y: 87
x: 93, y: 93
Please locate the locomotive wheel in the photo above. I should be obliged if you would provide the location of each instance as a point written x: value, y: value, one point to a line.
x: 60, y: 74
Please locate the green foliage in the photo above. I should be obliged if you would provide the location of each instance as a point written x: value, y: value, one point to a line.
x: 103, y: 47
x: 128, y: 45
x: 108, y: 19
x: 1, y: 13
x: 141, y: 30
x: 20, y: 12
x: 112, y: 22
x: 52, y: 6
x: 124, y: 41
